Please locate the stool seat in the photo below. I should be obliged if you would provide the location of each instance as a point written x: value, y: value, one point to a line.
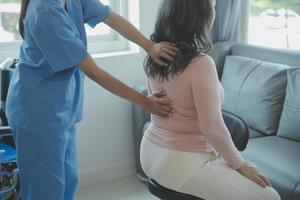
x: 167, y: 194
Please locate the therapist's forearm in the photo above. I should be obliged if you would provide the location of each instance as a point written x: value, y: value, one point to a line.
x: 110, y: 83
x: 126, y: 29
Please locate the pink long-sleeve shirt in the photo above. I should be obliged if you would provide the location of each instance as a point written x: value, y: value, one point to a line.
x: 197, y: 124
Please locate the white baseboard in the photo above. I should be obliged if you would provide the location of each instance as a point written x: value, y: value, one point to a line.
x: 114, y: 171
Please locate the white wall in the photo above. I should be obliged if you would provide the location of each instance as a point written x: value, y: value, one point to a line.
x: 105, y: 144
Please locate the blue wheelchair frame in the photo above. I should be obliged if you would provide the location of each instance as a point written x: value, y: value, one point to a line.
x: 9, y: 173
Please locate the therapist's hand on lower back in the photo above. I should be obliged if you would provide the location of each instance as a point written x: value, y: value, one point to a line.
x: 249, y: 171
x: 158, y: 103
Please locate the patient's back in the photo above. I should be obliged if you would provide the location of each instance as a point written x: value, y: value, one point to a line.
x: 181, y: 131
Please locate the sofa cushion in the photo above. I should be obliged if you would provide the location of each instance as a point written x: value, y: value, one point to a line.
x: 255, y: 134
x: 278, y: 159
x: 289, y: 126
x: 255, y: 90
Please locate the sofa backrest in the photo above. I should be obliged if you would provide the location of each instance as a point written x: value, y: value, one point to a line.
x: 289, y: 126
x: 265, y: 54
x: 280, y: 56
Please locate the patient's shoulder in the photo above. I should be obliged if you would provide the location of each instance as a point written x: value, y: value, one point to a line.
x: 201, y: 65
x: 201, y: 58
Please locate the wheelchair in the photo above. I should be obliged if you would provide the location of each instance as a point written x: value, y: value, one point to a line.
x: 9, y: 173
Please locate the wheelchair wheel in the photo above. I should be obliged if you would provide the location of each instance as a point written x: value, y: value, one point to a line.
x: 9, y: 184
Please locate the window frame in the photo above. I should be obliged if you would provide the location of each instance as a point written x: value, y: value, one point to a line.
x: 97, y: 44
x: 113, y: 41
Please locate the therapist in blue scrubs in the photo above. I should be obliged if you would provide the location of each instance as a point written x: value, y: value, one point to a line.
x: 46, y: 93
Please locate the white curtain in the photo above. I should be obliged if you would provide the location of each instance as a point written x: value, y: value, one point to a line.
x: 231, y: 23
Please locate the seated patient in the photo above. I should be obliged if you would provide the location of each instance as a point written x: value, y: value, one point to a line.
x: 181, y: 152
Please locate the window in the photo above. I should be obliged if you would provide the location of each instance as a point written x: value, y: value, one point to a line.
x: 9, y: 13
x: 275, y: 23
x: 104, y: 39
x: 100, y: 39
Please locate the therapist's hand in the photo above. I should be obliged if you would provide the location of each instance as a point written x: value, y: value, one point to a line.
x: 159, y: 52
x: 159, y: 104
x: 249, y: 171
x: 162, y: 52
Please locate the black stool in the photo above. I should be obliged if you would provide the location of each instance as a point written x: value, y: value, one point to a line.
x: 239, y: 132
x: 167, y: 194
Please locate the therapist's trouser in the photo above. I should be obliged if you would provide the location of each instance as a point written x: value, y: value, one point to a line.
x: 47, y: 163
x: 193, y: 173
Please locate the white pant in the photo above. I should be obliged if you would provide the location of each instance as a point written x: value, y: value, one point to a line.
x: 193, y: 173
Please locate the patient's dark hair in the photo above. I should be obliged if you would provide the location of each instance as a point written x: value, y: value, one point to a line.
x: 187, y: 24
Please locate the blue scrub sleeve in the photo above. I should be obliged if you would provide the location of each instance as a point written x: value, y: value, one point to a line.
x: 95, y: 12
x: 58, y: 40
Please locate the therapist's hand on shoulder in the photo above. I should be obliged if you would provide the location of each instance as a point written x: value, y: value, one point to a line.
x: 162, y: 52
x: 160, y: 104
x: 249, y: 171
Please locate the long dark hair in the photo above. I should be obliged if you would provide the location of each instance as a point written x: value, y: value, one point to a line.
x: 24, y: 5
x: 186, y: 23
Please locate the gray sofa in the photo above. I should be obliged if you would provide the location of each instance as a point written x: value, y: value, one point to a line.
x: 262, y: 85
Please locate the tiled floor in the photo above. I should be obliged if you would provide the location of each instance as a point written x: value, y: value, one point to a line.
x: 129, y: 188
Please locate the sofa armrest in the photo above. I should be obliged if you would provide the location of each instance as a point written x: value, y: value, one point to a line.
x: 238, y: 129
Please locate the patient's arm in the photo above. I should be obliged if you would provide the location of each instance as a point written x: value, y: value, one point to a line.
x: 207, y: 99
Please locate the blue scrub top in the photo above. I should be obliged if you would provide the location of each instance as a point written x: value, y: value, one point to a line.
x: 46, y: 91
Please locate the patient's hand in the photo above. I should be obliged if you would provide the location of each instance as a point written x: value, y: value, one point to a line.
x: 249, y: 171
x: 160, y: 104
